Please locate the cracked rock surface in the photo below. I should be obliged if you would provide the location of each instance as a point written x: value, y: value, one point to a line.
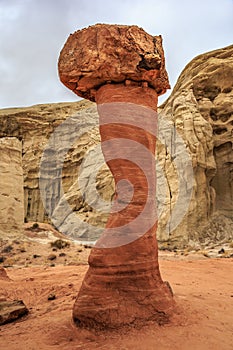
x: 10, y: 311
x: 106, y: 53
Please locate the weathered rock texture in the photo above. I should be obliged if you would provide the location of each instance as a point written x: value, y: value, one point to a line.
x: 3, y: 274
x: 34, y: 125
x: 10, y: 311
x: 84, y: 63
x: 123, y: 285
x: 200, y: 107
x: 11, y: 187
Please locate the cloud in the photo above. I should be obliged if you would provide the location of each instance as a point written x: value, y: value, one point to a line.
x: 33, y: 33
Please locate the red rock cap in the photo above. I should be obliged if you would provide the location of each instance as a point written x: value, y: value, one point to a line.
x: 105, y: 53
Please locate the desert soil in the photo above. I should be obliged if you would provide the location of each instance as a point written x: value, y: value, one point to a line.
x: 47, y: 277
x: 203, y: 290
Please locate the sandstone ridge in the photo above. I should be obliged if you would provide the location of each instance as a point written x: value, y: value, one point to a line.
x: 200, y: 109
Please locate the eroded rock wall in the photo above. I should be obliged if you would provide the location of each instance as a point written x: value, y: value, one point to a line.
x: 75, y: 126
x: 199, y: 111
x: 11, y: 187
x: 34, y: 126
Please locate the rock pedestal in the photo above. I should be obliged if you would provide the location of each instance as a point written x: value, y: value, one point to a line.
x: 123, y: 285
x: 122, y: 69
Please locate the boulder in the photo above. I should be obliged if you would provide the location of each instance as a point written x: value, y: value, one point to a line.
x: 10, y: 311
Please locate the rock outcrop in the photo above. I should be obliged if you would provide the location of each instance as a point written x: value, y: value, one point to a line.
x: 78, y: 123
x: 3, y: 274
x: 11, y: 187
x: 33, y: 126
x: 137, y: 56
x: 114, y: 293
x: 200, y: 106
x: 11, y: 311
x: 200, y: 109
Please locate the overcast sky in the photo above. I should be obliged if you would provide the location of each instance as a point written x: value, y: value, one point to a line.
x: 32, y: 33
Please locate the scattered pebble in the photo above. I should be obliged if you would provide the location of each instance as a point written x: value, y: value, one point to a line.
x: 52, y: 257
x: 87, y: 246
x: 7, y: 249
x: 2, y: 259
x: 60, y: 244
x: 62, y: 254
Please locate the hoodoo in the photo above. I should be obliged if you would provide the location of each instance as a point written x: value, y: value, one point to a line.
x: 122, y: 69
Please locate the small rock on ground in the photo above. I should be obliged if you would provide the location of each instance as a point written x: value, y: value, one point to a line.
x: 10, y: 311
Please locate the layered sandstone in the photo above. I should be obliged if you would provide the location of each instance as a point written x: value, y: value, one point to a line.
x: 210, y: 116
x: 123, y: 285
x: 33, y: 127
x: 11, y: 187
x: 200, y: 110
x: 126, y: 75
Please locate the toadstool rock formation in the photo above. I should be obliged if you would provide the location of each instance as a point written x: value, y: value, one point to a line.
x: 190, y: 100
x: 121, y: 68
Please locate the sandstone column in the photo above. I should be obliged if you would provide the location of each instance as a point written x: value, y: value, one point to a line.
x: 11, y: 187
x: 122, y: 69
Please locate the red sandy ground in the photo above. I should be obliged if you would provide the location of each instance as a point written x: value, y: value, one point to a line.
x: 204, y: 319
